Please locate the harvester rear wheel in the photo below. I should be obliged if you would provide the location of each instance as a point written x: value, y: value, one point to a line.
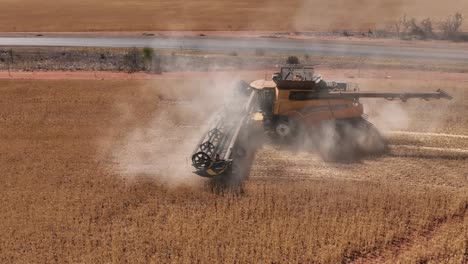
x: 373, y: 142
x: 348, y: 140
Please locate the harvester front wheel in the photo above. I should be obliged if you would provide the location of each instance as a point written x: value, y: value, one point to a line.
x: 240, y: 152
x: 285, y: 128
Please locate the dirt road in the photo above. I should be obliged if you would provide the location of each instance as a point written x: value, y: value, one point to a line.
x: 232, y: 44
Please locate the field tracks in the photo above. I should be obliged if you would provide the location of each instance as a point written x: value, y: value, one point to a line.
x: 396, y: 250
x: 454, y: 150
x: 427, y: 134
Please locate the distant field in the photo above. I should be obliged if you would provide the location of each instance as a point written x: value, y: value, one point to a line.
x: 270, y: 15
x: 84, y: 164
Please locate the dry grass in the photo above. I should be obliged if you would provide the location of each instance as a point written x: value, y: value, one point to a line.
x: 105, y: 220
x: 445, y: 245
x: 144, y: 15
x: 62, y: 202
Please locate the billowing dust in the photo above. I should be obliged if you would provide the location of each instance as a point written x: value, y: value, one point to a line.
x: 411, y: 115
x: 161, y: 148
x: 388, y: 116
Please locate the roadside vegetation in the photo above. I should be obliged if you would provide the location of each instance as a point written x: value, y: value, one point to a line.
x: 158, y: 61
x: 448, y: 28
x: 292, y: 60
x: 142, y: 60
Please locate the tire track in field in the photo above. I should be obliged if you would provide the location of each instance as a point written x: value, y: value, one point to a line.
x: 391, y: 252
x: 429, y: 148
x: 415, y: 147
x: 298, y: 166
x: 276, y: 163
x: 427, y: 134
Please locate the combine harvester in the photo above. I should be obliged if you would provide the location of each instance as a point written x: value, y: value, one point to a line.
x: 296, y: 99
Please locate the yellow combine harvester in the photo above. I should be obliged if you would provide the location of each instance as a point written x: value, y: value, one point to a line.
x: 296, y: 99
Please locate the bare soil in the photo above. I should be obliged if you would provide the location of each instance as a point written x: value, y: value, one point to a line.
x: 143, y: 15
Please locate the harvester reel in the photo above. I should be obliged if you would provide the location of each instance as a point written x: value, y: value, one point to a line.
x: 207, y: 147
x: 201, y: 160
x: 215, y: 134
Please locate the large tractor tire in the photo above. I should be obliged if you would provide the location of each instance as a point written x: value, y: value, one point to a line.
x: 285, y: 129
x: 348, y: 140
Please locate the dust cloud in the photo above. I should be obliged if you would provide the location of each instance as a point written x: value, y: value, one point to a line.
x: 161, y: 147
x: 387, y: 115
x: 337, y: 141
x: 414, y: 115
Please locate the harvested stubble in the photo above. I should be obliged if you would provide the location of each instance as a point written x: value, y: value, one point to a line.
x: 323, y: 221
x: 60, y: 203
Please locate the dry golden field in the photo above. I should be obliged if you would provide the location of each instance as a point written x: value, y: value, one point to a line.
x: 146, y: 15
x: 94, y: 171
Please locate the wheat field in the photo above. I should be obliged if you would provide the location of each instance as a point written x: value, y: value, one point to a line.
x: 64, y: 199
